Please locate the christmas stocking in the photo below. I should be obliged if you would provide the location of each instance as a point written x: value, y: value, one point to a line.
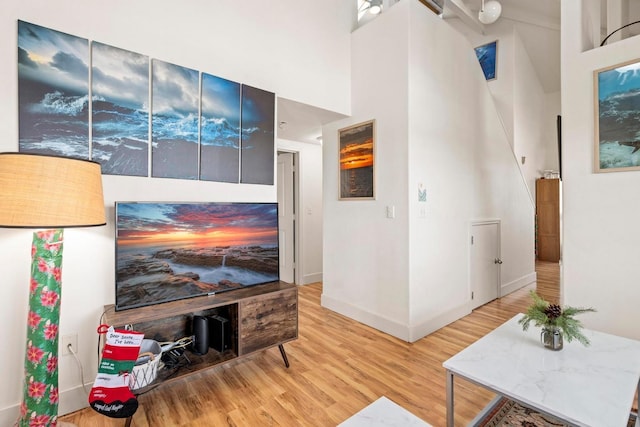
x: 110, y: 394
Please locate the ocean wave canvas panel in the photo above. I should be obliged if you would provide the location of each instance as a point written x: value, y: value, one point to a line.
x: 257, y: 144
x: 219, y: 130
x: 53, y: 92
x: 617, y: 145
x: 175, y: 111
x: 120, y: 110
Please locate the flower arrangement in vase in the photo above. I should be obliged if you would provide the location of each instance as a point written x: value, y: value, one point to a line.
x: 556, y: 322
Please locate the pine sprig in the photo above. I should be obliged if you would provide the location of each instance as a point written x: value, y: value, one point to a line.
x: 570, y: 328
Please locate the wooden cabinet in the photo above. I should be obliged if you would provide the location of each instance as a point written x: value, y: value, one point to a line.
x: 266, y: 321
x: 548, y: 219
x: 260, y: 317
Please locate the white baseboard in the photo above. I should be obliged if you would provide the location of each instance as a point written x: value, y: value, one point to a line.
x: 521, y: 282
x: 312, y: 278
x: 74, y: 399
x: 374, y: 320
x: 70, y: 401
x: 391, y: 327
x: 8, y: 416
x: 437, y: 322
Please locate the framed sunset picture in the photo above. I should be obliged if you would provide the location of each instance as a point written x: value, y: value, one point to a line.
x: 357, y: 161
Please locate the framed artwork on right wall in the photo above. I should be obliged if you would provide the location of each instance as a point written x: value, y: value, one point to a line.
x: 617, y: 136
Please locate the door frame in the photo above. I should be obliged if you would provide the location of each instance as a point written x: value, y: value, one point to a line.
x: 472, y: 224
x: 296, y: 197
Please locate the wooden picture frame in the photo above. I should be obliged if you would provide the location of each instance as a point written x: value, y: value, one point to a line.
x: 617, y: 136
x: 357, y: 161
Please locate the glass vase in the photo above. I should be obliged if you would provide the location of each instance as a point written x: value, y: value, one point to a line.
x: 551, y: 337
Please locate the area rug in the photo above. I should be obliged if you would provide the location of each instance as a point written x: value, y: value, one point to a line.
x: 508, y: 413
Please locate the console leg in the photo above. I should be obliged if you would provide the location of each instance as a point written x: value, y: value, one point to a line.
x: 284, y: 355
x: 128, y: 422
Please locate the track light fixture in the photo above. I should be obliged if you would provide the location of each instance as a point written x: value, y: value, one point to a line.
x: 374, y: 7
x: 489, y: 12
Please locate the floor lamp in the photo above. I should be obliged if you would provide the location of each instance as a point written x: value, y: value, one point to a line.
x: 51, y: 193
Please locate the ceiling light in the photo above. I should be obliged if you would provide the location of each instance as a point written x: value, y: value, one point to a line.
x: 374, y: 7
x: 489, y: 12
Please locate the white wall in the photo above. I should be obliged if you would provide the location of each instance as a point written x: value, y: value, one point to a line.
x: 446, y: 88
x: 528, y: 115
x: 309, y: 208
x: 410, y: 275
x: 600, y: 234
x: 298, y: 49
x: 528, y: 111
x: 365, y: 254
x: 552, y: 109
x: 462, y: 154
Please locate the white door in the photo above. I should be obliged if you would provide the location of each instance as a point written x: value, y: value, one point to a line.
x: 286, y: 216
x: 485, y: 262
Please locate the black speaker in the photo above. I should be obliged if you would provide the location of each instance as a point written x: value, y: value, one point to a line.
x: 200, y: 343
x: 219, y: 333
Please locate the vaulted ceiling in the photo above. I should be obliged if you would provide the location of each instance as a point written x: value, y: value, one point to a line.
x: 537, y: 23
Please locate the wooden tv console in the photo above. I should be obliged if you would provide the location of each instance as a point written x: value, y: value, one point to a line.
x: 260, y: 316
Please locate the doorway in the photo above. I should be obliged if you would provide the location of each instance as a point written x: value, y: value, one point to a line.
x: 485, y: 262
x: 287, y: 216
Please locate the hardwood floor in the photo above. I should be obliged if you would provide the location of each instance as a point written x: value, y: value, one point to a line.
x: 338, y: 366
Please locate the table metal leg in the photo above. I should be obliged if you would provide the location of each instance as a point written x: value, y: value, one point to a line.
x: 638, y: 407
x: 449, y: 398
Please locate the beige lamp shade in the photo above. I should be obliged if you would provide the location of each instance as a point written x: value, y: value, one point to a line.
x: 38, y: 191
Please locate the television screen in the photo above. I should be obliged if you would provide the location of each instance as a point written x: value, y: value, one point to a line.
x: 171, y: 251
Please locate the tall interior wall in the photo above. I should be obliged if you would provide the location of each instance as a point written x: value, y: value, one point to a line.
x: 246, y: 44
x: 600, y: 236
x: 463, y: 156
x: 410, y: 275
x: 366, y: 254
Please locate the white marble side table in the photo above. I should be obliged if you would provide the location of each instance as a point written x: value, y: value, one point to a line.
x: 584, y: 386
x: 384, y: 413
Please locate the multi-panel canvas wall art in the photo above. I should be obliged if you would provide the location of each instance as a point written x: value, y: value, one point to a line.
x: 219, y: 130
x: 140, y: 116
x: 487, y: 57
x: 257, y: 146
x: 357, y: 161
x: 617, y: 91
x: 174, y: 121
x: 120, y: 113
x: 53, y: 92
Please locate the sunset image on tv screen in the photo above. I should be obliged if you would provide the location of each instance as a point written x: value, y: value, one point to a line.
x: 169, y: 251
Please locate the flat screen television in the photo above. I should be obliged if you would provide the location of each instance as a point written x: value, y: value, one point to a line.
x: 171, y: 251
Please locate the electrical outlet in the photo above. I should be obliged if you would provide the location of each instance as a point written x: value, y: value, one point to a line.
x: 66, y: 340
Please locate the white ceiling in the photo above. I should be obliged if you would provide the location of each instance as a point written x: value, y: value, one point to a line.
x: 302, y: 122
x: 537, y: 23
